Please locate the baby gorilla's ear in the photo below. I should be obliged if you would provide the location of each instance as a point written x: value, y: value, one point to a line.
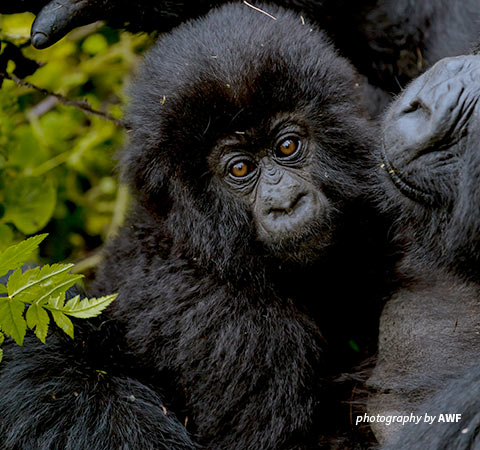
x: 146, y: 173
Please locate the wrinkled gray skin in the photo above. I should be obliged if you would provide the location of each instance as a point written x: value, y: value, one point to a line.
x: 430, y: 327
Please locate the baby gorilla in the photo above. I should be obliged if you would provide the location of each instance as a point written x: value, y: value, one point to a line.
x: 244, y: 254
x: 429, y: 328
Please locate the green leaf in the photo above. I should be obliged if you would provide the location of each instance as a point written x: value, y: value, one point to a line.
x: 63, y: 322
x: 57, y: 302
x: 38, y: 318
x: 29, y: 203
x: 29, y: 152
x: 14, y: 256
x: 3, y: 289
x: 88, y: 307
x: 38, y: 284
x: 2, y: 338
x: 12, y: 322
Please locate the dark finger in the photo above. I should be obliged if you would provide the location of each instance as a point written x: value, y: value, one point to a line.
x: 61, y: 16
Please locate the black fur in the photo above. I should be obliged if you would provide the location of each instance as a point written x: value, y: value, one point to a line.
x: 213, y: 321
x: 69, y: 396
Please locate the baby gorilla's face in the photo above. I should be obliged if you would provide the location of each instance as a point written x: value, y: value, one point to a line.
x: 429, y: 131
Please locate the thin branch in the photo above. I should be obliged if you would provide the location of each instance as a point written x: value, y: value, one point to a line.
x: 120, y: 211
x: 83, y: 105
x: 88, y: 263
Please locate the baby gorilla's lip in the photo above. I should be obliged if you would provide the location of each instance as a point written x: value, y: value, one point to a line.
x: 423, y: 129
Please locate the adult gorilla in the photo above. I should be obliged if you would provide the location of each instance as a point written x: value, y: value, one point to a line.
x: 389, y: 41
x: 429, y: 342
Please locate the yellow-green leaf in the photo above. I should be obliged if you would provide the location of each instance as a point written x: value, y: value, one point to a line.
x: 43, y: 279
x: 12, y: 322
x: 63, y: 322
x: 29, y: 203
x: 16, y: 255
x: 57, y: 302
x: 38, y: 318
x: 88, y: 307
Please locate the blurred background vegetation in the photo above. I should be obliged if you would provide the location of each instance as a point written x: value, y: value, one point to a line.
x: 57, y: 165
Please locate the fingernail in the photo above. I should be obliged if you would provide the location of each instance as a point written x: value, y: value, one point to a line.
x: 40, y: 40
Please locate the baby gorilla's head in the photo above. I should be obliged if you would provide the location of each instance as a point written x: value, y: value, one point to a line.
x: 247, y: 131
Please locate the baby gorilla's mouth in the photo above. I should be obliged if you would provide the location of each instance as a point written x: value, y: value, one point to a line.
x: 307, y: 244
x: 298, y: 229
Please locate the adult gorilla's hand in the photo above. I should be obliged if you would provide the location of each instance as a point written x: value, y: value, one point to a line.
x: 56, y: 18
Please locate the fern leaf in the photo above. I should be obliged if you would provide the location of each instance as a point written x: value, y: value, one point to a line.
x: 63, y: 322
x: 38, y: 318
x: 87, y: 307
x: 39, y: 284
x: 12, y: 322
x: 14, y: 256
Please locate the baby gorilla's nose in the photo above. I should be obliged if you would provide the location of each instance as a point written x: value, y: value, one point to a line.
x: 287, y: 206
x: 288, y: 212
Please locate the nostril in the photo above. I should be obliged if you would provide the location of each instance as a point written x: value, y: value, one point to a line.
x: 296, y: 203
x: 292, y: 215
x: 414, y: 106
x: 288, y: 207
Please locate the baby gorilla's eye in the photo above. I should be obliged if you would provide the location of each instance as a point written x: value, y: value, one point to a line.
x: 241, y: 169
x: 288, y: 147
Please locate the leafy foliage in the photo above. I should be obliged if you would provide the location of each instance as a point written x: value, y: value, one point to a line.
x: 56, y: 161
x: 57, y: 167
x: 38, y: 291
x: 13, y: 257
